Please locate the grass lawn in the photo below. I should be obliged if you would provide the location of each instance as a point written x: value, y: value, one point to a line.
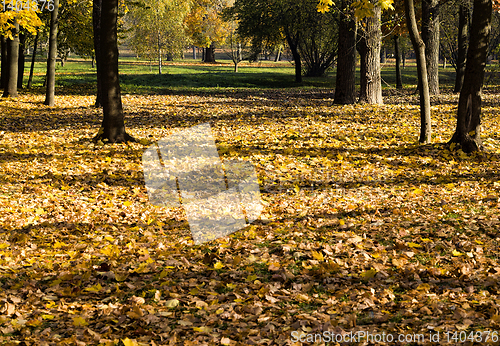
x: 362, y: 230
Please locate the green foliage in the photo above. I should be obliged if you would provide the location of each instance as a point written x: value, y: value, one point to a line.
x: 75, y: 28
x: 272, y: 21
x: 157, y: 28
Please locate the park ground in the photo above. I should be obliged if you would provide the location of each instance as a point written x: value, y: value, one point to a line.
x: 363, y: 229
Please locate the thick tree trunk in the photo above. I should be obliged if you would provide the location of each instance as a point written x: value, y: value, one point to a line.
x: 12, y: 58
x: 423, y: 86
x: 463, y: 30
x: 210, y: 54
x: 21, y: 59
x: 345, y: 83
x: 370, y: 80
x: 51, y: 61
x: 467, y: 133
x: 33, y: 58
x: 430, y: 36
x: 96, y: 26
x: 194, y: 52
x: 113, y: 125
x: 399, y: 82
x: 4, y: 64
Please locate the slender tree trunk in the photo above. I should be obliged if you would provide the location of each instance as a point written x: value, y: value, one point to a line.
x: 12, y: 56
x: 96, y: 26
x: 160, y: 63
x: 194, y: 52
x: 21, y: 60
x: 4, y: 64
x: 370, y: 80
x: 463, y: 30
x: 467, y: 133
x: 33, y: 59
x: 278, y: 55
x: 399, y: 82
x: 383, y: 55
x: 51, y: 61
x: 430, y: 36
x: 113, y: 125
x: 345, y: 83
x: 423, y: 86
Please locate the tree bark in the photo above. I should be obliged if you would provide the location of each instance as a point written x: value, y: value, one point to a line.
x: 4, y: 64
x: 113, y: 124
x: 278, y: 55
x: 370, y: 80
x: 51, y: 61
x: 383, y: 55
x: 21, y: 60
x: 423, y: 86
x: 399, y: 82
x: 467, y: 134
x: 463, y: 30
x: 345, y: 83
x: 293, y: 43
x: 96, y: 26
x: 33, y: 58
x: 430, y: 36
x: 12, y: 61
x: 210, y: 54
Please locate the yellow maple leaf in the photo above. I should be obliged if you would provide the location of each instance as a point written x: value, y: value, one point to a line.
x: 386, y: 4
x: 414, y: 245
x: 95, y: 288
x: 79, y: 321
x: 172, y: 303
x: 456, y: 253
x: 218, y: 265
x: 129, y: 342
x: 317, y: 255
x: 368, y: 274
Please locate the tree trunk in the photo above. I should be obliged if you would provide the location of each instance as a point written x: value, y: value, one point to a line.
x: 399, y: 82
x: 12, y: 61
x: 423, y: 86
x: 430, y: 36
x: 210, y: 54
x: 278, y: 55
x: 113, y: 125
x: 345, y: 83
x: 51, y: 61
x: 370, y: 80
x: 33, y: 58
x: 21, y: 60
x: 467, y: 133
x: 383, y: 55
x: 4, y: 64
x: 96, y: 26
x: 194, y: 52
x: 463, y: 30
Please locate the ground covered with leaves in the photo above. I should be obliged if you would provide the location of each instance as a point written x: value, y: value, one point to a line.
x: 363, y: 228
